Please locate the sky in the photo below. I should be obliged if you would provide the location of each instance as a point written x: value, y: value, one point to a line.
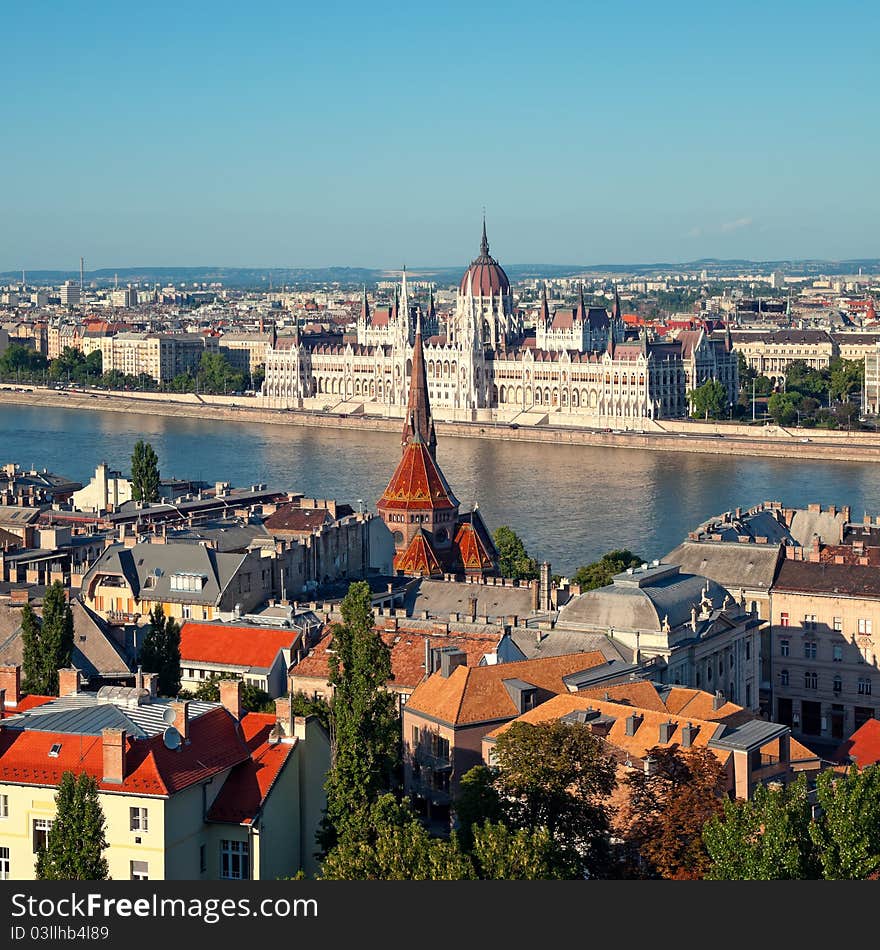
x: 339, y: 133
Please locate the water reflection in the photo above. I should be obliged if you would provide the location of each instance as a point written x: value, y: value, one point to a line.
x: 570, y: 503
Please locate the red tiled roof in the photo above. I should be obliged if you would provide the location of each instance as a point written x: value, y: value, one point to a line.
x: 417, y: 482
x: 294, y: 519
x: 473, y: 553
x: 419, y: 559
x: 863, y: 745
x: 249, y: 783
x: 151, y: 769
x: 230, y: 645
x: 26, y: 703
x: 563, y: 320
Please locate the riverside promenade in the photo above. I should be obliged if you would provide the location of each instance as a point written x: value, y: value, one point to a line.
x: 667, y: 435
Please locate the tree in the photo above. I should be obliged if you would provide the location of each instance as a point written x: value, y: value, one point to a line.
x: 393, y: 845
x: 365, y: 729
x: 764, y: 839
x: 600, y: 573
x: 253, y: 699
x: 710, y: 399
x: 76, y: 841
x: 848, y: 833
x: 47, y: 644
x: 160, y: 652
x: 668, y: 808
x: 525, y: 854
x: 477, y: 802
x: 557, y: 776
x: 784, y: 407
x: 803, y: 379
x: 18, y: 359
x: 144, y: 472
x: 847, y: 378
x: 513, y: 559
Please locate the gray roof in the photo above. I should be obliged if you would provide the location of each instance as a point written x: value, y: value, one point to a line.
x: 642, y: 601
x: 749, y: 736
x: 149, y: 567
x: 806, y: 523
x: 558, y: 642
x: 442, y: 598
x: 225, y: 536
x: 729, y: 564
x: 85, y: 715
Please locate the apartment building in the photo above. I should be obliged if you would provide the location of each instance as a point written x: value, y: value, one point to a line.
x: 160, y: 355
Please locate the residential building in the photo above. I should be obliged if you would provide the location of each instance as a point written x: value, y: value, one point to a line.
x: 160, y: 355
x: 70, y: 294
x: 106, y: 491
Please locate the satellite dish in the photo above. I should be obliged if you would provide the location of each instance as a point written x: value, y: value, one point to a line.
x: 171, y: 738
x: 168, y: 715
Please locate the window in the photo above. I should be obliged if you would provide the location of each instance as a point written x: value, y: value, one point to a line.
x: 837, y: 653
x: 415, y: 736
x: 864, y: 687
x: 234, y: 861
x: 811, y: 680
x: 137, y: 819
x: 203, y: 859
x: 748, y: 695
x: 838, y: 624
x: 783, y: 620
x: 748, y: 649
x: 139, y: 871
x: 783, y: 677
x: 809, y: 649
x: 784, y: 647
x: 837, y: 684
x: 4, y: 806
x: 4, y: 864
x: 810, y: 622
x: 864, y: 625
x: 41, y: 833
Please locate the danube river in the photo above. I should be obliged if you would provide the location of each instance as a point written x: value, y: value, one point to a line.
x: 569, y: 503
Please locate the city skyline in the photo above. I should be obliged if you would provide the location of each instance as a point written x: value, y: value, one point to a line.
x: 636, y: 135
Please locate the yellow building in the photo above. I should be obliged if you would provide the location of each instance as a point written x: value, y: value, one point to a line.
x: 189, y: 790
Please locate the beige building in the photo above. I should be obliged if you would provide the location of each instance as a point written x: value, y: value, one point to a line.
x: 769, y: 352
x: 189, y: 791
x: 160, y: 355
x: 106, y: 491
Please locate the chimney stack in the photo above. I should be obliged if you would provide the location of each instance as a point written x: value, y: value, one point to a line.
x: 688, y: 734
x: 114, y: 747
x: 181, y: 718
x: 68, y: 682
x: 717, y: 700
x: 230, y: 696
x: 10, y: 681
x: 284, y: 716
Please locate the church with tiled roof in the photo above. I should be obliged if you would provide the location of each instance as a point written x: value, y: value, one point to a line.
x: 432, y: 537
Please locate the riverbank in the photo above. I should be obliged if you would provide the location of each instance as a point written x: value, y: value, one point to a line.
x: 671, y: 436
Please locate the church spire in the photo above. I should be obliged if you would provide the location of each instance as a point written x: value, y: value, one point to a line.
x: 581, y: 308
x: 615, y: 309
x: 365, y: 308
x: 419, y: 423
x: 545, y: 307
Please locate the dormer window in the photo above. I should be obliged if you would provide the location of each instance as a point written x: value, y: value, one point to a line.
x: 184, y: 581
x: 55, y: 751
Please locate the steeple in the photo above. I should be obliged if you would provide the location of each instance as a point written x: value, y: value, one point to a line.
x: 484, y: 243
x: 545, y: 308
x: 419, y: 423
x: 581, y: 308
x: 365, y: 308
x: 394, y: 307
x: 615, y: 309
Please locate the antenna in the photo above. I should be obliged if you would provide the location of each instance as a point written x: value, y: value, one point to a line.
x: 171, y: 738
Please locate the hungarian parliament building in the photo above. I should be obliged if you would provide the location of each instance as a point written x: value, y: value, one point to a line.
x: 579, y: 363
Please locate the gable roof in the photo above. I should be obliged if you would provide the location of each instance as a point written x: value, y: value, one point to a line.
x: 419, y: 558
x: 251, y: 647
x: 862, y: 747
x: 474, y: 694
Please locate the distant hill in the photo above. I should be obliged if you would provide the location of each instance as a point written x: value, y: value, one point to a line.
x: 304, y: 277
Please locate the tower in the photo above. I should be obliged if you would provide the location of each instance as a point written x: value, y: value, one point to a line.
x: 418, y: 419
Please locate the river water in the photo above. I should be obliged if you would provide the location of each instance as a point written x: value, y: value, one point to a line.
x: 569, y: 503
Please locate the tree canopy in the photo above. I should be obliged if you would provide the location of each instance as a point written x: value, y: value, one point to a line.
x: 513, y: 559
x: 599, y: 573
x: 710, y: 399
x: 47, y: 644
x: 144, y: 472
x: 160, y: 652
x: 76, y: 841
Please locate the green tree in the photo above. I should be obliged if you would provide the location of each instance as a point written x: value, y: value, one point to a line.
x: 253, y: 699
x: 47, y: 644
x: 803, y: 379
x: 76, y: 841
x: 764, y: 839
x: 160, y: 652
x: 20, y: 360
x: 847, y: 378
x: 217, y: 375
x: 710, y: 399
x: 848, y: 834
x: 524, y: 854
x: 558, y: 776
x: 144, y: 472
x: 365, y: 727
x: 393, y: 845
x: 513, y: 559
x: 600, y: 573
x: 477, y: 802
x: 784, y: 407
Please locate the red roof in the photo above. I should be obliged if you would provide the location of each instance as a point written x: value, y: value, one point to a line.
x: 249, y: 783
x: 151, y: 769
x: 26, y: 703
x: 294, y: 519
x: 417, y: 482
x: 419, y: 559
x: 472, y: 550
x: 863, y: 746
x: 230, y: 645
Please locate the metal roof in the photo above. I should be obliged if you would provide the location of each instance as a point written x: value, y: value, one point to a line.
x: 749, y: 736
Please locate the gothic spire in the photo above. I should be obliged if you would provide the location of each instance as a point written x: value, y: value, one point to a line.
x: 484, y: 243
x: 615, y: 309
x: 581, y: 308
x: 419, y: 423
x: 365, y: 307
x: 545, y: 308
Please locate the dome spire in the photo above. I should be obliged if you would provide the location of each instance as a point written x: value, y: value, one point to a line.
x: 484, y: 243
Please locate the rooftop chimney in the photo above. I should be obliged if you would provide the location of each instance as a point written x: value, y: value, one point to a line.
x: 230, y: 696
x: 181, y: 718
x: 688, y: 734
x: 68, y: 682
x: 632, y: 723
x: 114, y: 746
x: 718, y: 699
x: 666, y: 730
x: 450, y: 660
x: 284, y: 716
x: 10, y: 681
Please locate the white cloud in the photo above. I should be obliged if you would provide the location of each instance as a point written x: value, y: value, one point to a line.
x: 737, y: 225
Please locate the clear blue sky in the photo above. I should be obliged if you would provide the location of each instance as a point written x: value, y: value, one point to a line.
x: 308, y: 134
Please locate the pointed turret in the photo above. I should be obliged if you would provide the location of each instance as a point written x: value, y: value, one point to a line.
x: 365, y: 308
x: 395, y: 307
x: 581, y: 313
x: 484, y: 242
x: 615, y: 307
x: 545, y: 307
x: 419, y: 422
